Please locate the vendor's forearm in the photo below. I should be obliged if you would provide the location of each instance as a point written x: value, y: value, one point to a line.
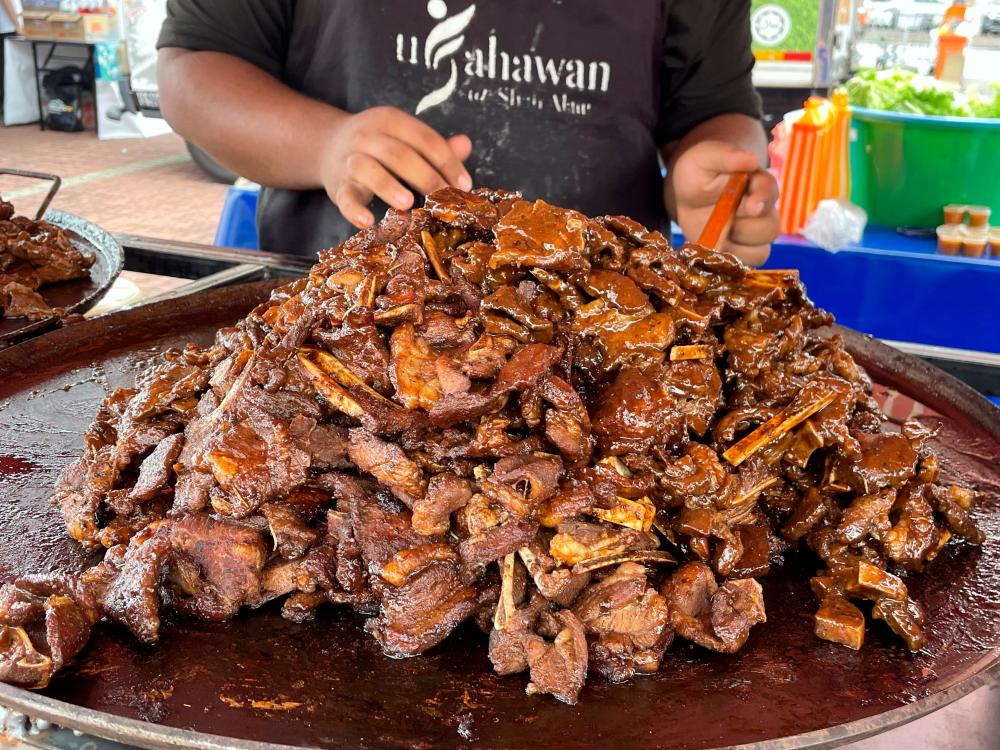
x: 249, y: 121
x: 742, y: 131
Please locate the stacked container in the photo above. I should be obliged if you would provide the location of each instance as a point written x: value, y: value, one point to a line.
x: 973, y: 238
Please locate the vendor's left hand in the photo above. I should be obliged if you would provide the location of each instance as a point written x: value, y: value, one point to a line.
x: 698, y: 177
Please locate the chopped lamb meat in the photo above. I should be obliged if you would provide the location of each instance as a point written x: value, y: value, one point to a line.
x: 560, y: 667
x: 490, y: 381
x: 156, y: 468
x: 713, y: 616
x: 423, y: 611
x: 630, y: 621
x: 389, y: 464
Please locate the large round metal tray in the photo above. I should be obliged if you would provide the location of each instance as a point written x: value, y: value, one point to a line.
x: 259, y: 681
x: 79, y: 295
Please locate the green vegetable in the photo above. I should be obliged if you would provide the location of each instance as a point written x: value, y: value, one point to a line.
x: 988, y: 105
x: 899, y: 90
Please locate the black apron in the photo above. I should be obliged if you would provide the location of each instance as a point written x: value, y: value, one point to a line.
x: 560, y: 98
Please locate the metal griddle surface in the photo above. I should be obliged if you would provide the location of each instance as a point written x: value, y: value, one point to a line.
x: 326, y: 684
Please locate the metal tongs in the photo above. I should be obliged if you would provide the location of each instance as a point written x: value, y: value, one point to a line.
x: 724, y: 211
x: 54, y: 179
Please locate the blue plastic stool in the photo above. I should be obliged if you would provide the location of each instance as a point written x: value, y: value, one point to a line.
x: 238, y: 223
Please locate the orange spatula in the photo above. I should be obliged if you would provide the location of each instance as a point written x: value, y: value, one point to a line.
x: 724, y: 211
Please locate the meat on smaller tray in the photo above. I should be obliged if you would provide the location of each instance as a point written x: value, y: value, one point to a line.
x: 34, y: 254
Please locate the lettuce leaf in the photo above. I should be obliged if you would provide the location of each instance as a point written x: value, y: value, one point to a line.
x: 899, y: 90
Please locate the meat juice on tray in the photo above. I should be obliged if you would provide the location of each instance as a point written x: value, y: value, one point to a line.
x: 588, y: 442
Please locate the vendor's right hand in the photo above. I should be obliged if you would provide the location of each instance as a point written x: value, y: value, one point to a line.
x: 382, y: 151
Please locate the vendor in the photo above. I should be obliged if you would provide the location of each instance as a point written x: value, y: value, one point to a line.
x: 333, y: 103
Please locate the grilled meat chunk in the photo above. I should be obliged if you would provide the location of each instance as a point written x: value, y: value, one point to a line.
x: 630, y: 621
x: 713, y: 616
x: 423, y: 611
x: 388, y: 464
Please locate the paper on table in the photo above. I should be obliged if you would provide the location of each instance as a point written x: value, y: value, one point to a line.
x: 131, y: 288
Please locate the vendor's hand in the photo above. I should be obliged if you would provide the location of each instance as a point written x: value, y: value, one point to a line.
x: 384, y: 151
x: 697, y: 179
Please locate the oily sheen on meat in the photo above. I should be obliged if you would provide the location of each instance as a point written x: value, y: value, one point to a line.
x: 487, y: 409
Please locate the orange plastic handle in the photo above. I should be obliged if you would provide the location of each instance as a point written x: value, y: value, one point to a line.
x: 725, y: 210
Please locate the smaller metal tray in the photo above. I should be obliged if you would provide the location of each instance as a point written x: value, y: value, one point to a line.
x: 79, y: 295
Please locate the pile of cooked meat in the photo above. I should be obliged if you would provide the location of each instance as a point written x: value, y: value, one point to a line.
x: 33, y: 254
x: 488, y: 409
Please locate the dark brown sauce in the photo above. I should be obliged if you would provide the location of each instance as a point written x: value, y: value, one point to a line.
x: 326, y: 684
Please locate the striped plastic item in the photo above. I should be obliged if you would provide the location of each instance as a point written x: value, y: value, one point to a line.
x: 819, y: 170
x: 799, y: 172
x: 838, y: 183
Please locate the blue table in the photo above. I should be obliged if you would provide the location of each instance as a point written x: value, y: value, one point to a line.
x: 899, y: 288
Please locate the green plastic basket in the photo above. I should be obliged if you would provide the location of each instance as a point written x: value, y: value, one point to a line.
x: 904, y: 168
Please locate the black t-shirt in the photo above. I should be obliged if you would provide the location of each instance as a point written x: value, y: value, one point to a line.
x: 566, y: 100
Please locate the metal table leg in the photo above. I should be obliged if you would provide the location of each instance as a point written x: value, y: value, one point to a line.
x: 92, y: 70
x: 89, y: 68
x: 38, y: 84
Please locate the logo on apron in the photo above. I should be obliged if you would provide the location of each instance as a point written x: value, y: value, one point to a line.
x: 443, y: 41
x: 513, y: 79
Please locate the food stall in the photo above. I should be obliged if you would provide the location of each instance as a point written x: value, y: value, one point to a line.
x: 522, y: 446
